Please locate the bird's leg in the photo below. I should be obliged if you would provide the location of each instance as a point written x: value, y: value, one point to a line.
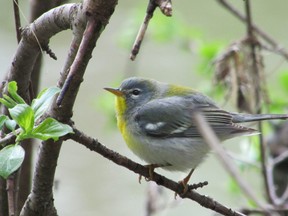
x: 151, y: 168
x: 184, y: 183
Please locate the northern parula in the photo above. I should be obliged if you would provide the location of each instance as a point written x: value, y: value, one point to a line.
x: 156, y: 122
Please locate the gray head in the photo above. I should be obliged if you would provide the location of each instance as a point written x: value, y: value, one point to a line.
x: 136, y: 91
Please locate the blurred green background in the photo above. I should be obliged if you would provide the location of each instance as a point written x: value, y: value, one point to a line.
x: 176, y: 50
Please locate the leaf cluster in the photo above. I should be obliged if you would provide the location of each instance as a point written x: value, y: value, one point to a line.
x: 25, y: 117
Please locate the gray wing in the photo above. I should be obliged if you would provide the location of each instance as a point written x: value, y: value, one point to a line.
x: 172, y: 117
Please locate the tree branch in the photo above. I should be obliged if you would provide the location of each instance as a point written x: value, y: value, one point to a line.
x: 11, y: 187
x: 40, y: 200
x: 33, y: 37
x: 96, y: 146
x: 37, y: 8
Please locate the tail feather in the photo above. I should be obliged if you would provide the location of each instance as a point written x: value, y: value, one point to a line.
x: 233, y: 130
x: 242, y: 117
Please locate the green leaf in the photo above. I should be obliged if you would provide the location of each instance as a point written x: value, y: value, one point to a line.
x: 43, y: 100
x: 9, y: 100
x: 24, y: 116
x: 11, y: 158
x: 6, y: 103
x: 12, y: 89
x: 10, y: 124
x: 51, y: 129
x: 3, y: 119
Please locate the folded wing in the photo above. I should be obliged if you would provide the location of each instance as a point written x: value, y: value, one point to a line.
x: 172, y: 117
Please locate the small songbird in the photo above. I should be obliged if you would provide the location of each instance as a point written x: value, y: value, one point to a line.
x: 156, y: 122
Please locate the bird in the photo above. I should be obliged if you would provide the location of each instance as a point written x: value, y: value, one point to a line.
x: 156, y: 122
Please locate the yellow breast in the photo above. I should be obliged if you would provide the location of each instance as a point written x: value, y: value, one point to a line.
x: 122, y: 125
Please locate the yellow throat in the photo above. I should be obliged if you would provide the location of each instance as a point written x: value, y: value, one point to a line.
x: 121, y: 122
x: 120, y: 110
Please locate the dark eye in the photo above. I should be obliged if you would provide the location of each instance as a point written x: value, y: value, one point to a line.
x: 136, y: 92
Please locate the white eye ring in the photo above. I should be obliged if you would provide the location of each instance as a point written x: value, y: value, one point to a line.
x: 136, y: 92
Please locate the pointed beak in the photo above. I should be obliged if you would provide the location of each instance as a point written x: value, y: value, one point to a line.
x: 115, y: 91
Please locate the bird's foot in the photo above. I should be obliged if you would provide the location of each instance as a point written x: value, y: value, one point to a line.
x: 151, y: 168
x: 184, y: 184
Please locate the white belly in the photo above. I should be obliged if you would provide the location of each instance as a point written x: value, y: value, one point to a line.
x: 181, y: 153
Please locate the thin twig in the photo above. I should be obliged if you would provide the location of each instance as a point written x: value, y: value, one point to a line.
x: 278, y: 48
x: 197, y: 185
x: 72, y: 80
x: 139, y: 38
x: 269, y: 167
x: 252, y: 39
x: 8, y: 139
x: 165, y: 7
x: 257, y: 89
x: 156, y: 201
x: 11, y: 182
x: 152, y: 203
x: 17, y: 20
x: 283, y: 156
x: 46, y: 48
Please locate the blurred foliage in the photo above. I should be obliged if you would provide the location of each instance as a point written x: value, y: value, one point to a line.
x: 279, y: 102
x: 207, y: 52
x: 283, y: 80
x: 161, y: 29
x: 105, y: 104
